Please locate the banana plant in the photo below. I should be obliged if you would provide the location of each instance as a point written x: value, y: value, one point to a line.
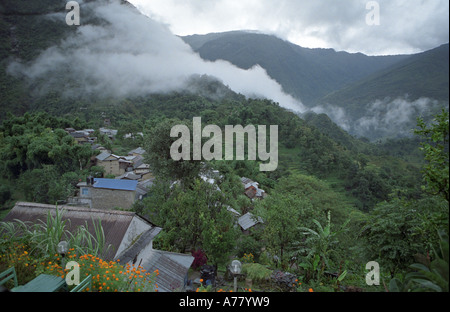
x: 321, y: 241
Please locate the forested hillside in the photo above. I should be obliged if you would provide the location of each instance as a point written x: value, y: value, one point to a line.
x: 308, y: 74
x: 376, y: 97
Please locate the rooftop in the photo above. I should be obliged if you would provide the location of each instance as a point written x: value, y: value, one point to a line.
x: 249, y: 220
x: 115, y: 184
x: 115, y: 223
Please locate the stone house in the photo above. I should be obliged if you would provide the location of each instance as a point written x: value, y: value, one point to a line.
x: 113, y: 164
x: 144, y: 171
x: 137, y: 152
x: 107, y: 194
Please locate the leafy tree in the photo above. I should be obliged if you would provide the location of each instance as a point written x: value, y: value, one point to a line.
x: 194, y: 217
x: 33, y: 141
x: 157, y: 143
x: 435, y: 147
x: 42, y: 185
x: 5, y: 193
x: 282, y: 214
x: 218, y: 236
x: 398, y: 230
x: 369, y: 187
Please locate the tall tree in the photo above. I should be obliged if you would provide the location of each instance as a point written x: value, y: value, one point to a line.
x: 157, y: 143
x: 435, y: 147
x: 282, y: 215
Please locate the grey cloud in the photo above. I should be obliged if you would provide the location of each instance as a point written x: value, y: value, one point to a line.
x: 406, y: 26
x: 130, y: 54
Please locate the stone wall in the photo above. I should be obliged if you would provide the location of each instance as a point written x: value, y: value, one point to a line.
x: 111, y: 199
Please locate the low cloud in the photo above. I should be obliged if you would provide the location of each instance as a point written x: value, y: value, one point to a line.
x: 129, y: 54
x: 383, y: 118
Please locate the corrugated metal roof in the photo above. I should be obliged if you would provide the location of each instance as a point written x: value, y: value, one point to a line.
x: 248, y: 220
x: 103, y: 156
x: 115, y: 184
x: 172, y: 267
x: 246, y: 180
x: 138, y: 150
x: 115, y: 223
x: 128, y: 176
x: 144, y: 240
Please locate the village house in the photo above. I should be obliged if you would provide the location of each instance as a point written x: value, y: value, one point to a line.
x: 82, y: 136
x: 106, y: 193
x: 137, y: 152
x: 248, y: 221
x: 144, y: 172
x: 252, y: 190
x: 128, y: 238
x: 113, y: 164
x: 143, y: 188
x: 120, y: 166
x: 129, y: 176
x: 110, y: 133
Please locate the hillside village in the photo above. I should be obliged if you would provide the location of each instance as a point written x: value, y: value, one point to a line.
x: 110, y: 200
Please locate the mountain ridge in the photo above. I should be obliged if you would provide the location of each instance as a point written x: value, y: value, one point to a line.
x: 362, y: 94
x: 308, y: 74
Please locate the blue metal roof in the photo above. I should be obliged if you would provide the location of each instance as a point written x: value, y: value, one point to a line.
x: 115, y: 184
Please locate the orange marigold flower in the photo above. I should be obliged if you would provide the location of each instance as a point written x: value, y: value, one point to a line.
x: 311, y: 290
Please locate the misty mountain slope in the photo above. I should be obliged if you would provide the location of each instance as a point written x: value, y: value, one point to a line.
x: 26, y: 29
x: 368, y: 96
x: 308, y: 74
x: 422, y: 75
x: 115, y: 52
x: 387, y: 104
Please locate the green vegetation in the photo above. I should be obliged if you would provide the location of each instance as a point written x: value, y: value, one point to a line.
x: 32, y: 250
x: 372, y: 197
x: 334, y: 203
x: 40, y: 159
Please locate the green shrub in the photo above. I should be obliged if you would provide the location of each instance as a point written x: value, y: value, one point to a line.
x: 257, y: 272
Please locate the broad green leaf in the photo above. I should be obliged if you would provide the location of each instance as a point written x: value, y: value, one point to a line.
x: 428, y: 284
x: 342, y: 276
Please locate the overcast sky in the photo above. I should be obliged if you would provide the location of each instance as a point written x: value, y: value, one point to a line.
x: 405, y: 26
